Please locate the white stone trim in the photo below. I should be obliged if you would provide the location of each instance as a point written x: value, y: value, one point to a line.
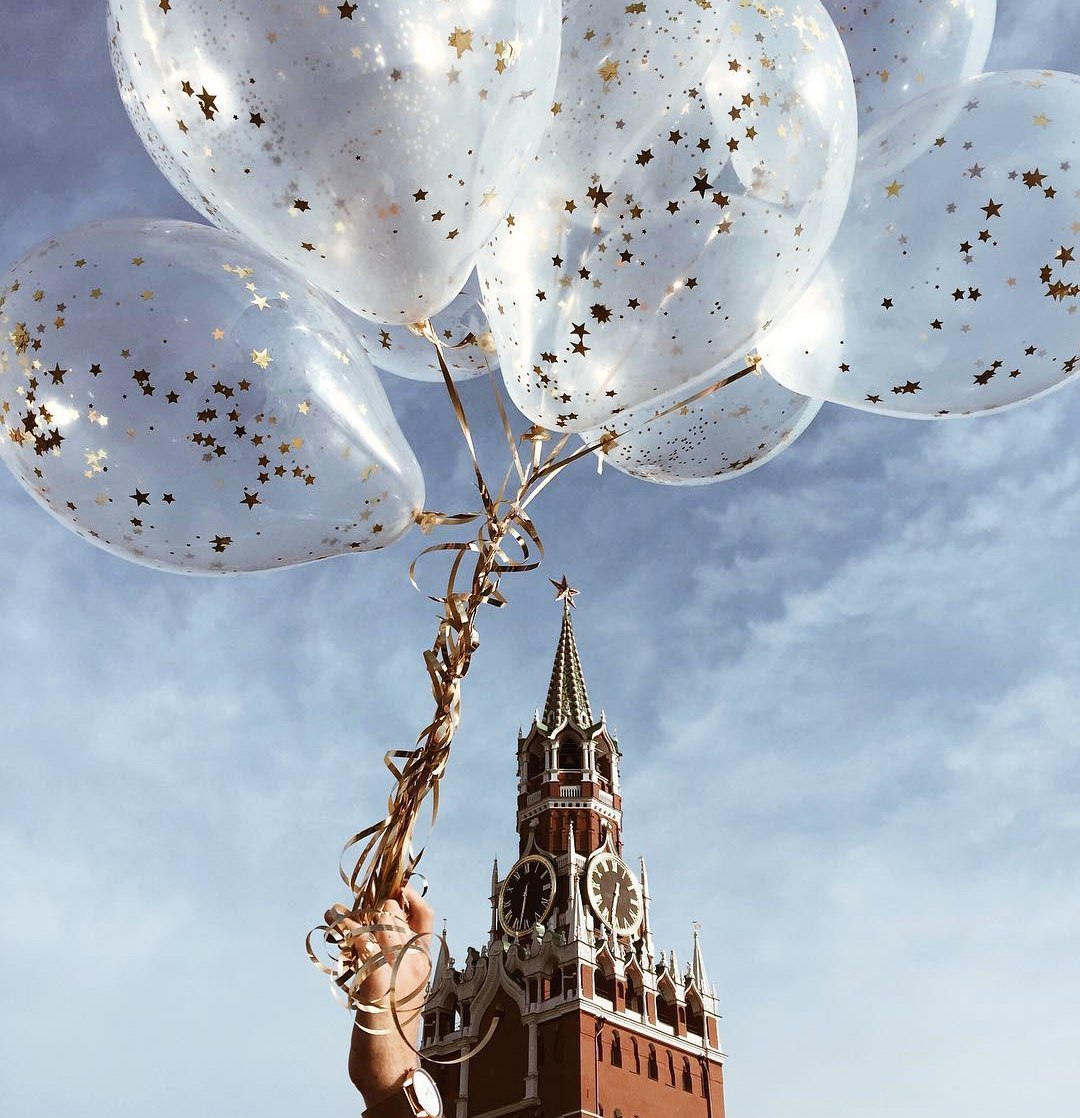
x: 691, y: 1046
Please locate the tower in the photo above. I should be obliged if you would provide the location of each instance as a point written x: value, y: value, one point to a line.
x: 568, y: 1006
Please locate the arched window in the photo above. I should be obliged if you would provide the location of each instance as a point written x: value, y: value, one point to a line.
x: 653, y: 1067
x: 671, y: 1069
x: 687, y: 1076
x: 603, y: 765
x: 695, y: 1015
x: 634, y: 1001
x: 570, y: 980
x: 570, y: 756
x: 666, y: 1010
x: 605, y: 986
x: 636, y: 1055
x: 534, y: 766
x: 616, y: 1051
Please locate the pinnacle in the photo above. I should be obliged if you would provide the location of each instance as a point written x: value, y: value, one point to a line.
x: 567, y: 697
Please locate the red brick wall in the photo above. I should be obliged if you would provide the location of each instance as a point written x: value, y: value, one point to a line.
x: 561, y: 1069
x: 570, y: 1069
x: 497, y: 1073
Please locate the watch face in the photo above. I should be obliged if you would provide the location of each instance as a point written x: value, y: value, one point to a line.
x: 614, y: 894
x: 427, y: 1094
x: 527, y: 895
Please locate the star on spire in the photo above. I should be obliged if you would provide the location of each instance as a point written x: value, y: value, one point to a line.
x: 564, y: 592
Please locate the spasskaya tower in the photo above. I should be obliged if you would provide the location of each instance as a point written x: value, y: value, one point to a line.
x: 588, y: 1019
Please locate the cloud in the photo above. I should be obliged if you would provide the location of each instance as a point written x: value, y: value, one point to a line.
x: 844, y: 685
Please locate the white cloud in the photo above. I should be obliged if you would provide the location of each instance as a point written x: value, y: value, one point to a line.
x: 845, y: 687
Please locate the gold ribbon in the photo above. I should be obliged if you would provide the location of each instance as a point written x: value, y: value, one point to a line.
x: 506, y: 542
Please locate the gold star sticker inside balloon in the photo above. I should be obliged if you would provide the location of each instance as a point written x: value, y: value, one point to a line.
x: 608, y: 70
x: 461, y: 41
x: 261, y: 357
x: 564, y: 592
x: 893, y: 189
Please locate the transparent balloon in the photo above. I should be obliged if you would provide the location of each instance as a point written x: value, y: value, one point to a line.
x: 951, y: 290
x: 723, y: 435
x: 180, y: 399
x: 374, y: 147
x: 901, y: 49
x: 695, y: 171
x: 462, y: 328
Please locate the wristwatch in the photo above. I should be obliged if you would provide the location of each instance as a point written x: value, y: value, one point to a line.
x: 418, y: 1097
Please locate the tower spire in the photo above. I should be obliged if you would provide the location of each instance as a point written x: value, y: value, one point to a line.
x: 567, y: 697
x: 697, y: 965
x: 648, y: 946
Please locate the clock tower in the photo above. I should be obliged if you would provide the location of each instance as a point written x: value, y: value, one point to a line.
x: 569, y: 1009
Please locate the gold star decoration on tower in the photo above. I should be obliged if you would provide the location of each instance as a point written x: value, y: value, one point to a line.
x: 564, y: 592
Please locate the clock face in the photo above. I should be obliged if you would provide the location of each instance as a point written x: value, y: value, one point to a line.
x: 614, y: 894
x: 527, y: 895
x: 427, y: 1094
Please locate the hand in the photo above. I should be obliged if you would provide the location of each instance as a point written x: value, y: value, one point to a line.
x: 378, y: 1065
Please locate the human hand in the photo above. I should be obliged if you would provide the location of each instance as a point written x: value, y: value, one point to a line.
x: 380, y: 1062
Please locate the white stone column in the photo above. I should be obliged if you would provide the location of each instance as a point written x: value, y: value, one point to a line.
x: 461, y: 1109
x: 532, y: 1079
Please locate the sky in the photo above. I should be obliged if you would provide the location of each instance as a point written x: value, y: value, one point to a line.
x: 844, y: 686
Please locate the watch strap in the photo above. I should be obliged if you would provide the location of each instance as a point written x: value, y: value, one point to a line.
x: 394, y: 1105
x: 400, y: 1102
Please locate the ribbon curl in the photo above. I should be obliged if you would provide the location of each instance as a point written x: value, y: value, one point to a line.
x: 506, y: 541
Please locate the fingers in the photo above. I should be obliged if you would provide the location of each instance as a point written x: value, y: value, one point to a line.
x: 395, y: 923
x: 421, y: 916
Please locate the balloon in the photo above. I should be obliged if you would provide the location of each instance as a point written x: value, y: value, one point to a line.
x: 180, y: 399
x: 901, y: 49
x: 954, y: 280
x: 727, y: 433
x: 694, y: 174
x: 375, y: 148
x: 405, y: 352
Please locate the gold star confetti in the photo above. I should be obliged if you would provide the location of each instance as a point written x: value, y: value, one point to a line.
x: 608, y: 70
x: 460, y: 40
x: 261, y: 357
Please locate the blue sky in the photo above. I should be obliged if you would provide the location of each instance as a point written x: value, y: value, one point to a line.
x: 844, y: 686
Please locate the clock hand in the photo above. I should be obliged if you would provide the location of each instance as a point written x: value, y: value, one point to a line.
x: 521, y: 914
x: 615, y: 901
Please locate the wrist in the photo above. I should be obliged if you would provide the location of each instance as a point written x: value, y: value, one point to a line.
x: 387, y: 1085
x: 417, y: 1096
